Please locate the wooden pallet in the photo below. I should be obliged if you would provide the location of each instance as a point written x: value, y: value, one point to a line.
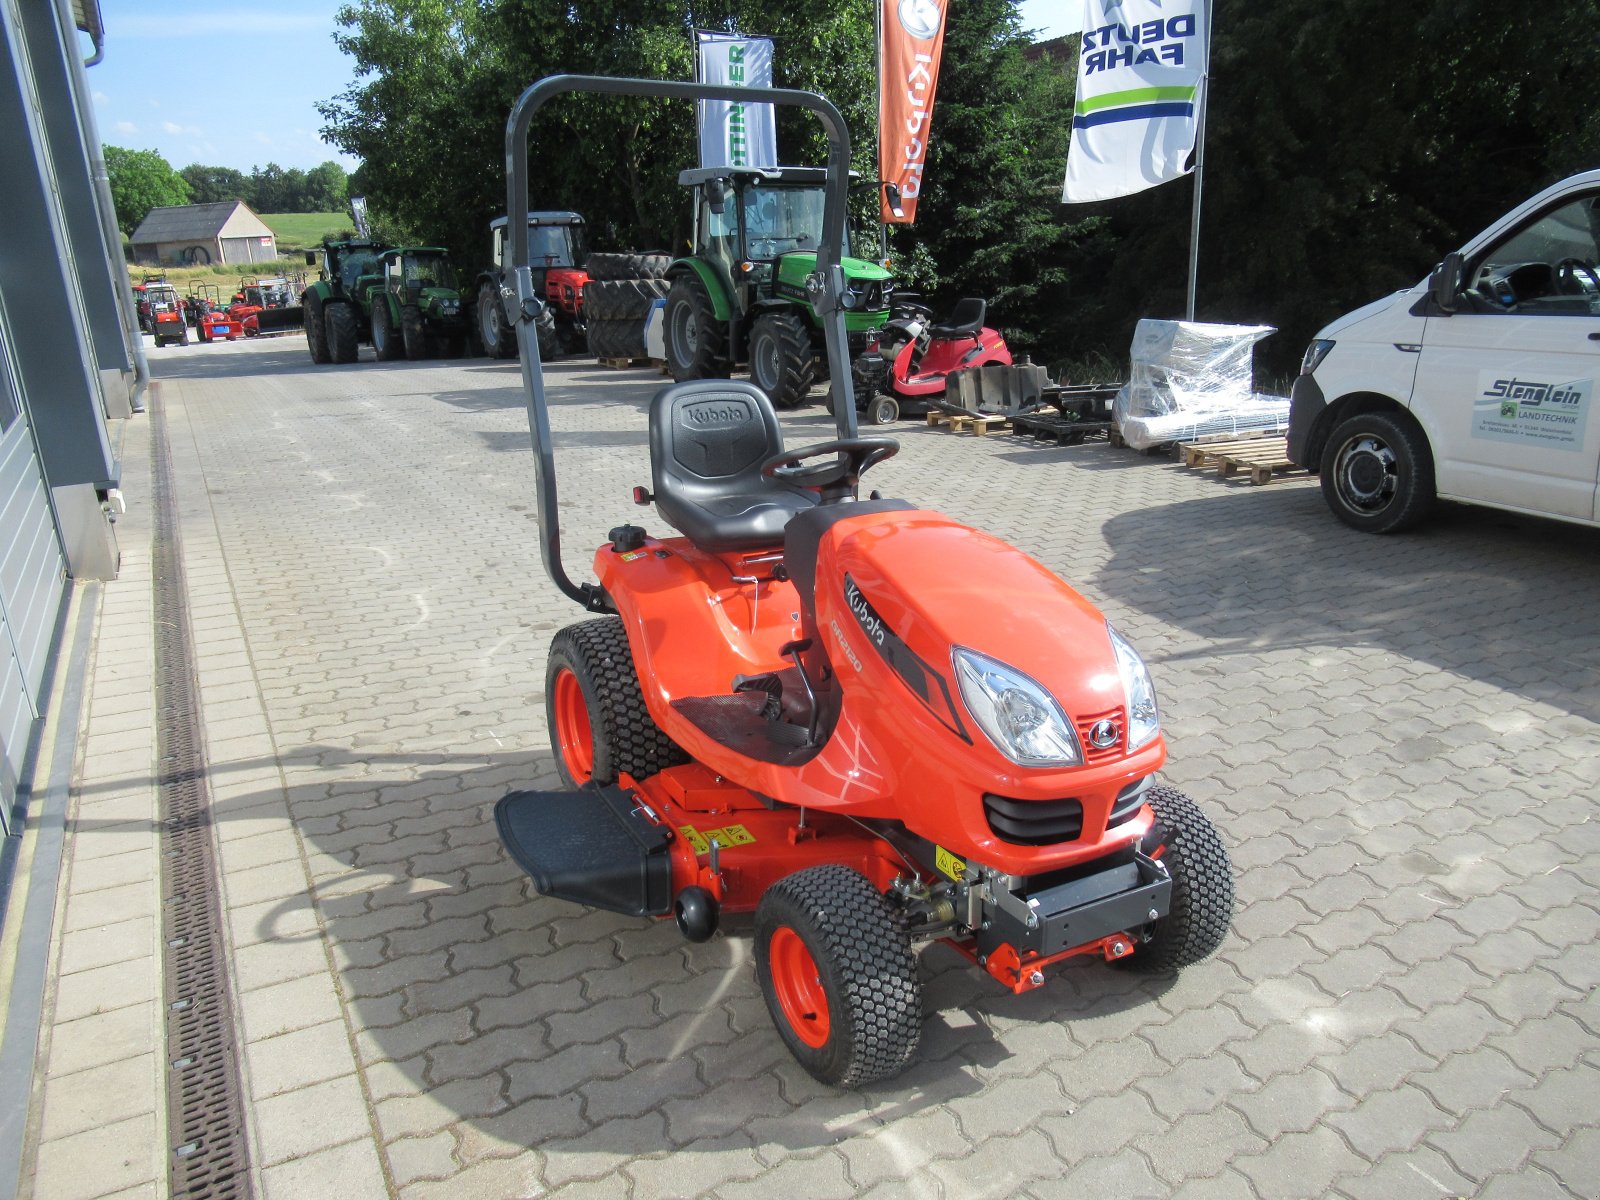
x: 977, y: 423
x: 617, y: 364
x: 1263, y: 456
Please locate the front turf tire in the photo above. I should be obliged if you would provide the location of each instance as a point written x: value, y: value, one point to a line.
x: 838, y: 975
x: 599, y: 725
x: 1187, y: 843
x: 1377, y: 473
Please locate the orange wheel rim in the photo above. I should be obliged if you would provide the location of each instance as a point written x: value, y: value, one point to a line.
x: 798, y: 985
x: 572, y: 728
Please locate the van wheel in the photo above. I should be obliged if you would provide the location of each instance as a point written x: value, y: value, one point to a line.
x: 1377, y: 473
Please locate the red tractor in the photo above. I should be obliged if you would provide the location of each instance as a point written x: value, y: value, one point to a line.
x: 555, y: 248
x: 167, y: 321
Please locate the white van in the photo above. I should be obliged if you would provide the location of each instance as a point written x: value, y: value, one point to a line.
x: 1475, y: 385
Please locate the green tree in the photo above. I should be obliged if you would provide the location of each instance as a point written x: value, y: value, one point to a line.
x: 327, y: 188
x: 208, y: 185
x: 141, y: 180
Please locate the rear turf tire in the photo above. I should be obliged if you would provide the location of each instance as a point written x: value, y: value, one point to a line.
x: 599, y: 725
x: 1184, y: 839
x: 838, y: 976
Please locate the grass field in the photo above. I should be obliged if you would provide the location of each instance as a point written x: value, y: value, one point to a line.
x: 302, y: 231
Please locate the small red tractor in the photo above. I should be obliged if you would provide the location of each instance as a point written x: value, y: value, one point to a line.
x: 555, y: 248
x: 166, y: 317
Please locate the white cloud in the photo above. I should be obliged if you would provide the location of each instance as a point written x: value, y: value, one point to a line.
x: 126, y: 127
x: 177, y: 130
x: 100, y: 98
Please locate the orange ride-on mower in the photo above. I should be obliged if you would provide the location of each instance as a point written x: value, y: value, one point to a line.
x: 865, y: 723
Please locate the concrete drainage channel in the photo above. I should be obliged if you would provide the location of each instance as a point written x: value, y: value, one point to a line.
x: 208, y: 1155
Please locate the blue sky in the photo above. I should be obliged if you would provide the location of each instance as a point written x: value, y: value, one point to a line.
x: 226, y: 84
x: 233, y: 84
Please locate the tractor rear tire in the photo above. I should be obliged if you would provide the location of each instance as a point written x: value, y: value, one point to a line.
x: 316, y: 330
x: 412, y: 333
x: 1186, y: 841
x: 344, y: 337
x: 385, y: 338
x: 782, y: 358
x: 599, y: 725
x: 838, y: 975
x: 549, y: 335
x: 622, y: 299
x: 612, y: 267
x: 499, y: 339
x: 696, y: 342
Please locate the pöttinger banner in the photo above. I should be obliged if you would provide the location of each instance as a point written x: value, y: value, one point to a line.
x: 736, y: 135
x: 911, y: 33
x: 1141, y: 71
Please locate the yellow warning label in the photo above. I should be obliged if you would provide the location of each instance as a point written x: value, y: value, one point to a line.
x: 731, y: 835
x: 948, y: 863
x: 728, y: 835
x: 694, y: 838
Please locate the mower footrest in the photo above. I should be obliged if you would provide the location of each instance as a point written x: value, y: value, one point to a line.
x: 592, y: 846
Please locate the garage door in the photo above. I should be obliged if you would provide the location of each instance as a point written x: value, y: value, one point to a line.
x: 32, y: 583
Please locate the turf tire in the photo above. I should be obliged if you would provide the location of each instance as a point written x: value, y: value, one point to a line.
x: 344, y: 337
x: 864, y: 966
x: 624, y: 738
x: 1185, y: 840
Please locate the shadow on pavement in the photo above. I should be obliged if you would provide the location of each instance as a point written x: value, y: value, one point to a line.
x: 1508, y: 601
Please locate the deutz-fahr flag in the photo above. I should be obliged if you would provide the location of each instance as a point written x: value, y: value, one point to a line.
x: 735, y: 135
x: 1140, y: 73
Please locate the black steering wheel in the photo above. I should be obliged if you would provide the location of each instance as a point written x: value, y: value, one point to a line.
x: 837, y: 478
x: 1576, y: 277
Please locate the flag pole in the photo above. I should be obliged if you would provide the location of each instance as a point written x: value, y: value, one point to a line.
x: 1199, y: 162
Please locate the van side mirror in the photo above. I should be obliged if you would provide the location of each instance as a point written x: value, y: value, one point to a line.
x: 717, y: 195
x: 1445, y: 285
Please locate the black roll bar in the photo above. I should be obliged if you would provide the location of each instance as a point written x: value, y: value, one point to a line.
x: 522, y: 304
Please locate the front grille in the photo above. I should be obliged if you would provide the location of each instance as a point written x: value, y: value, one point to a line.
x: 1091, y: 754
x: 1048, y: 822
x: 1034, y: 822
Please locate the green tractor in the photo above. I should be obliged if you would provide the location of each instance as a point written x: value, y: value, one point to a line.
x: 334, y: 308
x: 742, y: 296
x: 404, y: 300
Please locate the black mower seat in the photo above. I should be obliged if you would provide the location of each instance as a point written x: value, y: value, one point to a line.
x: 966, y: 317
x: 708, y: 439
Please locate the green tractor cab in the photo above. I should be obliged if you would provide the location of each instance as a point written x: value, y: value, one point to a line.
x: 335, y: 308
x: 744, y: 295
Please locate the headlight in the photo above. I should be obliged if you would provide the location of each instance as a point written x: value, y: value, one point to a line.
x: 1315, y: 353
x: 1022, y: 719
x: 1144, y: 718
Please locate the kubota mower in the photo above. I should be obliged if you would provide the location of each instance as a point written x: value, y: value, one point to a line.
x: 862, y: 721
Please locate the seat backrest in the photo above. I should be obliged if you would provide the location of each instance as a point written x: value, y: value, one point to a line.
x: 708, y: 434
x: 708, y: 439
x: 966, y: 317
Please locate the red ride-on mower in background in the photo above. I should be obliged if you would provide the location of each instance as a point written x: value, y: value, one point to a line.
x: 167, y: 322
x: 911, y: 362
x: 862, y: 721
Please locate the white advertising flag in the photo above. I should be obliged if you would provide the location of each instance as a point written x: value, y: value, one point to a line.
x: 736, y: 135
x: 1141, y: 71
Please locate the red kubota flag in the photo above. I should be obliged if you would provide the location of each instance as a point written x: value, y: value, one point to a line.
x: 912, y: 36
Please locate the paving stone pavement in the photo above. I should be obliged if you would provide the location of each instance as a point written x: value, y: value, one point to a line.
x: 1399, y: 739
